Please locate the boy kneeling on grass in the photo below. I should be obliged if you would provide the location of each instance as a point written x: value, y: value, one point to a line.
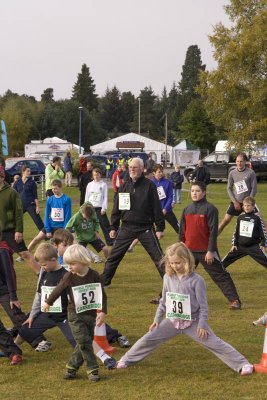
x: 85, y: 295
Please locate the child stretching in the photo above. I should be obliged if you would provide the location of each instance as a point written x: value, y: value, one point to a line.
x: 57, y: 213
x: 86, y: 226
x: 250, y: 237
x: 183, y: 308
x: 85, y: 294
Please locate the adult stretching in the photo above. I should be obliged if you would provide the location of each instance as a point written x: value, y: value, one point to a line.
x: 242, y: 182
x: 137, y: 206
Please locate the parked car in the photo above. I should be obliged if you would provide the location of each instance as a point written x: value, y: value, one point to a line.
x: 14, y: 165
x: 221, y: 163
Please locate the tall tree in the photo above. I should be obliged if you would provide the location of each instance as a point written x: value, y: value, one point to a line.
x: 196, y: 127
x: 149, y: 121
x: 190, y: 78
x: 48, y: 95
x: 128, y: 108
x: 84, y: 90
x: 111, y: 112
x: 236, y: 95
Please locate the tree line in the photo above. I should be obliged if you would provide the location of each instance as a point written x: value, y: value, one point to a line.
x: 202, y: 106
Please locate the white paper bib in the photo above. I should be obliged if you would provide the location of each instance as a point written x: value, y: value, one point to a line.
x: 241, y: 187
x: 57, y: 214
x: 161, y: 192
x: 124, y: 201
x: 246, y: 228
x: 45, y: 293
x: 95, y: 199
x: 178, y: 306
x: 87, y: 297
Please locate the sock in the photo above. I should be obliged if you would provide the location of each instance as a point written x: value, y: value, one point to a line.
x: 102, y: 355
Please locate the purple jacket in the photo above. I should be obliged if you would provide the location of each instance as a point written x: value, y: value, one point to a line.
x: 165, y: 192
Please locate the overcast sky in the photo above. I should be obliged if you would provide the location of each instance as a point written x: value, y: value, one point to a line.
x: 127, y: 43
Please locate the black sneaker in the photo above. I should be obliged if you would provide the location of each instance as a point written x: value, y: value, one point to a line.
x: 110, y: 363
x: 123, y: 342
x: 70, y: 374
x: 235, y: 305
x: 155, y: 300
x: 94, y: 377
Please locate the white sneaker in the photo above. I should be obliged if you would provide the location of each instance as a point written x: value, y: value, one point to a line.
x: 247, y: 369
x: 97, y: 260
x: 43, y: 346
x: 20, y: 259
x: 121, y: 364
x: 261, y: 321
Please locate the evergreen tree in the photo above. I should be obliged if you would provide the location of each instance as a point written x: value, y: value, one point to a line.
x: 111, y: 112
x: 149, y: 121
x: 48, y: 95
x: 128, y: 108
x: 190, y: 78
x: 84, y: 90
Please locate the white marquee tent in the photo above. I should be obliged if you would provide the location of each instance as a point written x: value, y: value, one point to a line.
x: 157, y: 149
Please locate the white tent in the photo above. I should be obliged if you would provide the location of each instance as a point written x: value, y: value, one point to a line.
x: 157, y: 149
x: 183, y: 155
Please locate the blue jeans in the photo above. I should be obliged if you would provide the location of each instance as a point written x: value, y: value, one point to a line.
x: 177, y: 196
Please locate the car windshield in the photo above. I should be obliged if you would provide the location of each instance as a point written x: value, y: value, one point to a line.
x: 10, y: 163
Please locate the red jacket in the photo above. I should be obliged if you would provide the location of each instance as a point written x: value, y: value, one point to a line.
x: 117, y: 180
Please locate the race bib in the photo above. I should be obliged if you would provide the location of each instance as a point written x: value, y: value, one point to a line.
x: 57, y: 214
x: 95, y: 199
x: 124, y: 201
x: 241, y: 187
x: 87, y: 297
x: 161, y: 193
x: 45, y: 293
x: 178, y: 306
x: 246, y: 228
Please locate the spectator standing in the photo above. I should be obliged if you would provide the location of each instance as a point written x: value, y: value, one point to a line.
x: 68, y: 169
x: 109, y: 167
x: 201, y: 173
x: 117, y: 179
x: 52, y: 171
x: 177, y: 179
x: 150, y: 163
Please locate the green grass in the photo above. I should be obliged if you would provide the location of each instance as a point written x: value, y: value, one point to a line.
x: 179, y: 369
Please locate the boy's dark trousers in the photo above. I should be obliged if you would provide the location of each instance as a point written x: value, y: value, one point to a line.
x: 105, y: 225
x: 82, y: 327
x: 253, y: 251
x: 7, y: 344
x: 218, y: 274
x: 15, y: 314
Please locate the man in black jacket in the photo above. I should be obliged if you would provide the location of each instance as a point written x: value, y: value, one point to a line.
x: 137, y: 207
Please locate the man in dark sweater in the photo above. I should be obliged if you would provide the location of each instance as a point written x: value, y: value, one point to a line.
x: 137, y: 207
x: 199, y: 230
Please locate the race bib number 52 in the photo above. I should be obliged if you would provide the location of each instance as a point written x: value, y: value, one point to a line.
x: 87, y: 297
x: 178, y: 306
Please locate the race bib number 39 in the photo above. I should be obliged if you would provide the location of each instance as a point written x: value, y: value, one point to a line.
x: 45, y: 293
x: 178, y: 306
x: 87, y: 297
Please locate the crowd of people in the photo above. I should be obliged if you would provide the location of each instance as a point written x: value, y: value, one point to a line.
x: 71, y: 295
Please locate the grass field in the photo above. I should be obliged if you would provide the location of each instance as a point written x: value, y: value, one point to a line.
x: 179, y: 369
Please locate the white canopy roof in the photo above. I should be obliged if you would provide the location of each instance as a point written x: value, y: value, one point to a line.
x: 151, y: 146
